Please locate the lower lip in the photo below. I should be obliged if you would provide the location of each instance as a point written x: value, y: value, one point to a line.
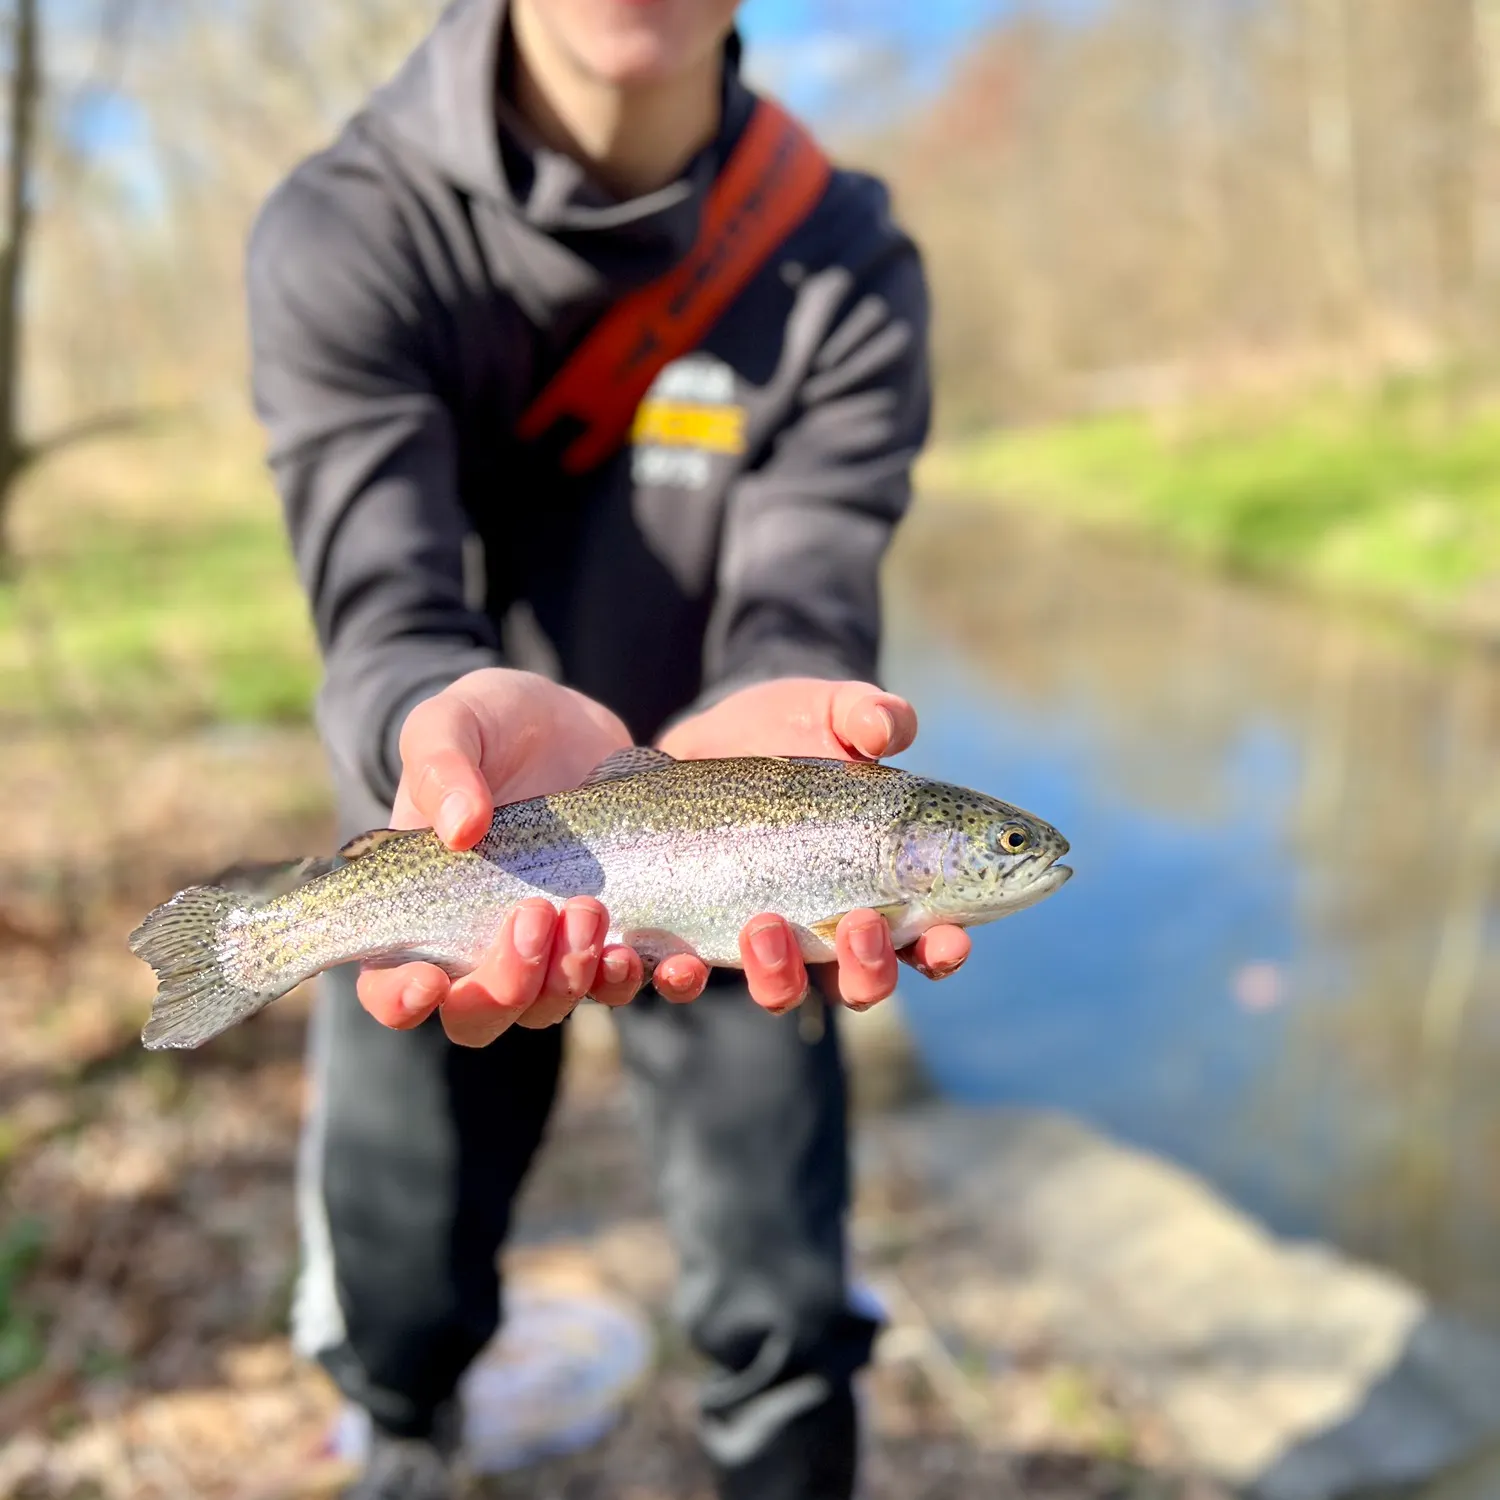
x: 1045, y: 883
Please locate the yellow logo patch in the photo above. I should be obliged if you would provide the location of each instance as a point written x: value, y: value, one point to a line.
x: 680, y: 424
x: 688, y: 420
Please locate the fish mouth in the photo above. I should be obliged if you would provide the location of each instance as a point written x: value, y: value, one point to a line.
x: 1048, y: 881
x: 1052, y: 878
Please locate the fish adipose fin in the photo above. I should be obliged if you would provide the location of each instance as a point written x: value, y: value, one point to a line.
x: 634, y: 760
x: 362, y: 843
x: 195, y: 1000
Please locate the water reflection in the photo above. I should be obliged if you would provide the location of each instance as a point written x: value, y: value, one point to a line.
x: 1279, y: 961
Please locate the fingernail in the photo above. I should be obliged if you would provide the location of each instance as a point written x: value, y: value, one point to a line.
x: 868, y: 943
x: 615, y: 968
x: 582, y: 927
x: 888, y: 720
x: 768, y: 944
x: 415, y: 999
x: 452, y: 816
x: 533, y: 932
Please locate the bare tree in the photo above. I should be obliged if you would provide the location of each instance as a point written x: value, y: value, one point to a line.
x: 25, y: 90
x: 1331, y: 142
x: 1486, y: 206
x: 23, y: 108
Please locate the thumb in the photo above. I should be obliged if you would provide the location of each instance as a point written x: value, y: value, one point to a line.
x: 871, y: 722
x: 441, y: 784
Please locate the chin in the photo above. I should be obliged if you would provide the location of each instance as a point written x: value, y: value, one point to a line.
x: 631, y: 61
x: 630, y: 43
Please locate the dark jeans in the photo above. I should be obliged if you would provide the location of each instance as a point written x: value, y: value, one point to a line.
x: 415, y: 1149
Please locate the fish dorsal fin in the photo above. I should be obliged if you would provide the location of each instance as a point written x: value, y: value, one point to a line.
x: 362, y: 843
x: 634, y: 760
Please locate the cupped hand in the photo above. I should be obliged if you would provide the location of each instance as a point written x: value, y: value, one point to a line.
x: 840, y: 721
x: 499, y: 736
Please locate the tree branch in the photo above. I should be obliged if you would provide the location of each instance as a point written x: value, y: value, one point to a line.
x: 103, y: 424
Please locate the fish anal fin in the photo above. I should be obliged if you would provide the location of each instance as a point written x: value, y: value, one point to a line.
x: 827, y: 928
x: 634, y: 760
x: 362, y: 843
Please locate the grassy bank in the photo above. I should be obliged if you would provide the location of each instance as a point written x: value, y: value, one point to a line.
x: 154, y: 587
x: 1391, y: 495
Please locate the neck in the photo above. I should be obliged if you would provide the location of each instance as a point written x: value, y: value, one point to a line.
x: 633, y: 139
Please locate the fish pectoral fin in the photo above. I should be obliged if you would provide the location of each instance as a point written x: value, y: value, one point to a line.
x: 827, y: 927
x: 362, y: 843
x: 655, y: 945
x: 634, y: 760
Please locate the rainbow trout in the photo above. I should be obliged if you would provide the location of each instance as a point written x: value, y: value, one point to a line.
x: 681, y: 853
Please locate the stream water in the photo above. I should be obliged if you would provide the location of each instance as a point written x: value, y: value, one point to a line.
x: 1279, y: 960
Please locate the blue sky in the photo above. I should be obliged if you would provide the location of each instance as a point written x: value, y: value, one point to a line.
x: 811, y: 53
x: 830, y: 60
x: 815, y: 53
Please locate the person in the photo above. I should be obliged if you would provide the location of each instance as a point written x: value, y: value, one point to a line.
x: 495, y: 619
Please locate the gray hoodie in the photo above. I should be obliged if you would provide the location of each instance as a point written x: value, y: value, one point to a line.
x: 413, y: 286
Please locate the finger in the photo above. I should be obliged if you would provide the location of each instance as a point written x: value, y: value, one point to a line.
x: 773, y: 963
x: 939, y: 952
x: 577, y: 942
x: 402, y: 997
x: 441, y: 778
x: 870, y: 722
x: 867, y: 959
x: 680, y: 978
x: 621, y: 975
x: 482, y: 1005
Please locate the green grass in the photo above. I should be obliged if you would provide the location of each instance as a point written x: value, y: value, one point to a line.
x: 156, y: 590
x: 1394, y: 494
x: 164, y: 615
x: 21, y: 1339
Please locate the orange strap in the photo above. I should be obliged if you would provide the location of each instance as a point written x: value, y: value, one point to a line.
x: 772, y: 181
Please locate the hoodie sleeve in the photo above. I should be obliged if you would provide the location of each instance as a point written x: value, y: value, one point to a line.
x: 806, y: 532
x: 362, y: 449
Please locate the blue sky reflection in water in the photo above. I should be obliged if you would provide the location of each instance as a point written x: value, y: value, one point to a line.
x: 1115, y: 997
x: 1188, y: 990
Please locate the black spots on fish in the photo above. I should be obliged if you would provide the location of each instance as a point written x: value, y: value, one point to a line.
x: 936, y: 803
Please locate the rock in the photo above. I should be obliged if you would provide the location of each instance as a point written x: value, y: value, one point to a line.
x: 1286, y: 1370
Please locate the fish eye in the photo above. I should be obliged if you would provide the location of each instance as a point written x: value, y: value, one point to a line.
x: 1013, y: 838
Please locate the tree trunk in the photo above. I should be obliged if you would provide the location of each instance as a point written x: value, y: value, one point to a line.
x: 1332, y: 149
x: 1486, y: 181
x: 25, y: 87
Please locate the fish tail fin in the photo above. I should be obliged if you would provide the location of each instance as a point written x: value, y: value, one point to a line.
x: 195, y: 999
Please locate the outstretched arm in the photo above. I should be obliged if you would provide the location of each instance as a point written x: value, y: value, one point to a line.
x: 794, y: 638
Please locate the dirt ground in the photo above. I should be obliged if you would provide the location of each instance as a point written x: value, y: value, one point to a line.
x: 147, y: 1242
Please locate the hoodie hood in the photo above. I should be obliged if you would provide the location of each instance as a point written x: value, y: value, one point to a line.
x: 447, y: 104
